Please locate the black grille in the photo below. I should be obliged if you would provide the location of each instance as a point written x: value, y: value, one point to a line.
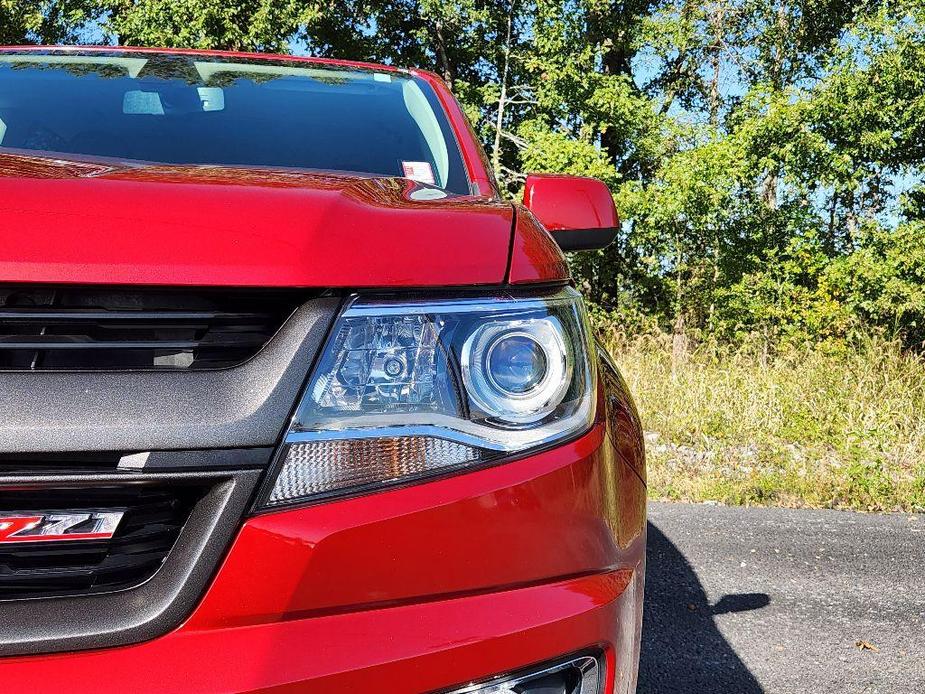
x: 153, y: 519
x: 67, y: 328
x: 63, y: 463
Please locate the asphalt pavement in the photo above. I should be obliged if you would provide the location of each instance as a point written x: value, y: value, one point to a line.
x: 778, y: 600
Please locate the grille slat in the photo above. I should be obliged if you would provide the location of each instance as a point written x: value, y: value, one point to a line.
x: 50, y: 342
x: 44, y: 317
x: 92, y: 328
x: 152, y: 522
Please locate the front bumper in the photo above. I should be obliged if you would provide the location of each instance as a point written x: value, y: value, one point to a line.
x: 411, y: 648
x: 411, y: 590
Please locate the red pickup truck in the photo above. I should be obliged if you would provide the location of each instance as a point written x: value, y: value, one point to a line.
x: 294, y: 400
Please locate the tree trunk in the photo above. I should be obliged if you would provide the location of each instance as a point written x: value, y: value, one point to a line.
x: 502, y: 98
x: 444, y: 66
x: 614, y: 61
x: 770, y: 183
x: 717, y: 23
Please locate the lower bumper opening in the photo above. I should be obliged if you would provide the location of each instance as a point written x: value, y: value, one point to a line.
x: 578, y: 674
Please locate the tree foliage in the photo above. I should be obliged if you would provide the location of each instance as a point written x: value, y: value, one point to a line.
x: 45, y: 21
x: 767, y: 156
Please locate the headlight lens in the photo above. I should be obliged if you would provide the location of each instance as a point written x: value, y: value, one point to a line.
x: 409, y: 389
x: 517, y: 363
x: 517, y: 371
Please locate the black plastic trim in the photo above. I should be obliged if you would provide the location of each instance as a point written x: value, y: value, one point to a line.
x: 241, y: 406
x: 47, y: 625
x: 215, y: 459
x: 585, y: 239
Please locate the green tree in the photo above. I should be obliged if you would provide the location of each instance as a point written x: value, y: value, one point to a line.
x: 44, y: 21
x: 247, y: 25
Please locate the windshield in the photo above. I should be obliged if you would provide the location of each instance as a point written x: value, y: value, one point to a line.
x: 177, y: 109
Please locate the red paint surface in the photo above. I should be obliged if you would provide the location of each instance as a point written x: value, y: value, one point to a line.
x: 570, y: 202
x: 401, y: 650
x: 535, y: 256
x: 527, y: 521
x: 227, y: 226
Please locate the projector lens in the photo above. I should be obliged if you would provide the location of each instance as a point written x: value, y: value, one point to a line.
x: 516, y: 363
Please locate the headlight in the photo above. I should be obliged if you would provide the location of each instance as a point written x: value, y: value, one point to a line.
x: 405, y: 390
x: 518, y: 371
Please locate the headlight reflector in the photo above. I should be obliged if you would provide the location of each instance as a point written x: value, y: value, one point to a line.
x: 406, y: 389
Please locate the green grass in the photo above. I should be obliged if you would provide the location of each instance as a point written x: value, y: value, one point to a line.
x: 811, y: 426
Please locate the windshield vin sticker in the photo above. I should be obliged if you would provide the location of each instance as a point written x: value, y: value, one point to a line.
x: 419, y: 171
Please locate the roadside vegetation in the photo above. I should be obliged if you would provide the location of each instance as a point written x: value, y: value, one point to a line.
x: 817, y: 425
x: 766, y: 295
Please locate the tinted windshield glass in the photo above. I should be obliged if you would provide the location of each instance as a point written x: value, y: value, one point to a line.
x: 199, y: 110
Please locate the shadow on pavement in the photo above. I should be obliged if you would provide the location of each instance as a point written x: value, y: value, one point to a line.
x: 682, y: 650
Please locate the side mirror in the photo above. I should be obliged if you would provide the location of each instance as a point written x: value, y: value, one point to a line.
x: 577, y: 211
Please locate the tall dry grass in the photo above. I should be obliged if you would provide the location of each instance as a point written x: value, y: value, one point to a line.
x: 840, y: 427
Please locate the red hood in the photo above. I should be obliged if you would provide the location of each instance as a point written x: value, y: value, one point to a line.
x: 79, y: 222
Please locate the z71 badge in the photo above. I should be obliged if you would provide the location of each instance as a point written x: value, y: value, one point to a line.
x: 58, y: 526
